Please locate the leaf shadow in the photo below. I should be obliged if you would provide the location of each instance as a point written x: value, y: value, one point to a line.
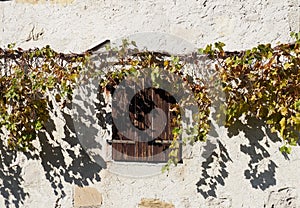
x: 213, y: 169
x: 63, y: 160
x: 261, y: 168
x: 11, y: 181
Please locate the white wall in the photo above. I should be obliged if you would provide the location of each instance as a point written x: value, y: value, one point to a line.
x: 79, y: 25
x: 241, y: 170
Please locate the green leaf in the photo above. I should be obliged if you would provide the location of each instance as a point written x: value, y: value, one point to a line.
x: 133, y: 43
x: 176, y: 131
x: 297, y: 105
x: 201, y: 51
x: 11, y: 45
x: 38, y: 125
x: 285, y: 149
x: 293, y: 142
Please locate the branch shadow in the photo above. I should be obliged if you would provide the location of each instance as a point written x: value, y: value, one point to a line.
x: 213, y: 169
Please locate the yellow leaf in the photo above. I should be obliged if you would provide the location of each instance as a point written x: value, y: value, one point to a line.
x: 166, y: 63
x: 283, y: 110
x: 228, y: 60
x: 287, y: 65
x: 282, y: 124
x: 273, y: 130
x: 259, y: 95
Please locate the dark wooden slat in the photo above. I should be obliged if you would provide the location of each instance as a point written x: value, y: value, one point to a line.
x: 122, y: 142
x: 117, y: 152
x: 149, y: 95
x: 157, y: 148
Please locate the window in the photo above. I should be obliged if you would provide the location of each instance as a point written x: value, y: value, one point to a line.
x: 156, y: 150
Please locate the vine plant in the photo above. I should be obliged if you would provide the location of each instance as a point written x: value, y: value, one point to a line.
x: 28, y: 81
x: 263, y: 82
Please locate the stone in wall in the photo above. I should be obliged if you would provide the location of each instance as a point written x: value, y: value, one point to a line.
x: 154, y: 203
x: 282, y: 198
x: 87, y: 197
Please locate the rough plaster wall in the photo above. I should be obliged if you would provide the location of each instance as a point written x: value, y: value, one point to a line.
x: 232, y: 170
x: 81, y: 24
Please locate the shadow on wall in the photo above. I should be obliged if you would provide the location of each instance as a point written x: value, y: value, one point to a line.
x: 64, y: 160
x: 261, y: 171
x: 213, y: 169
x: 78, y: 169
x: 11, y: 184
x: 259, y: 156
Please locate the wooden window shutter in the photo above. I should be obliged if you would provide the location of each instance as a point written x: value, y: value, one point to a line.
x: 157, y: 150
